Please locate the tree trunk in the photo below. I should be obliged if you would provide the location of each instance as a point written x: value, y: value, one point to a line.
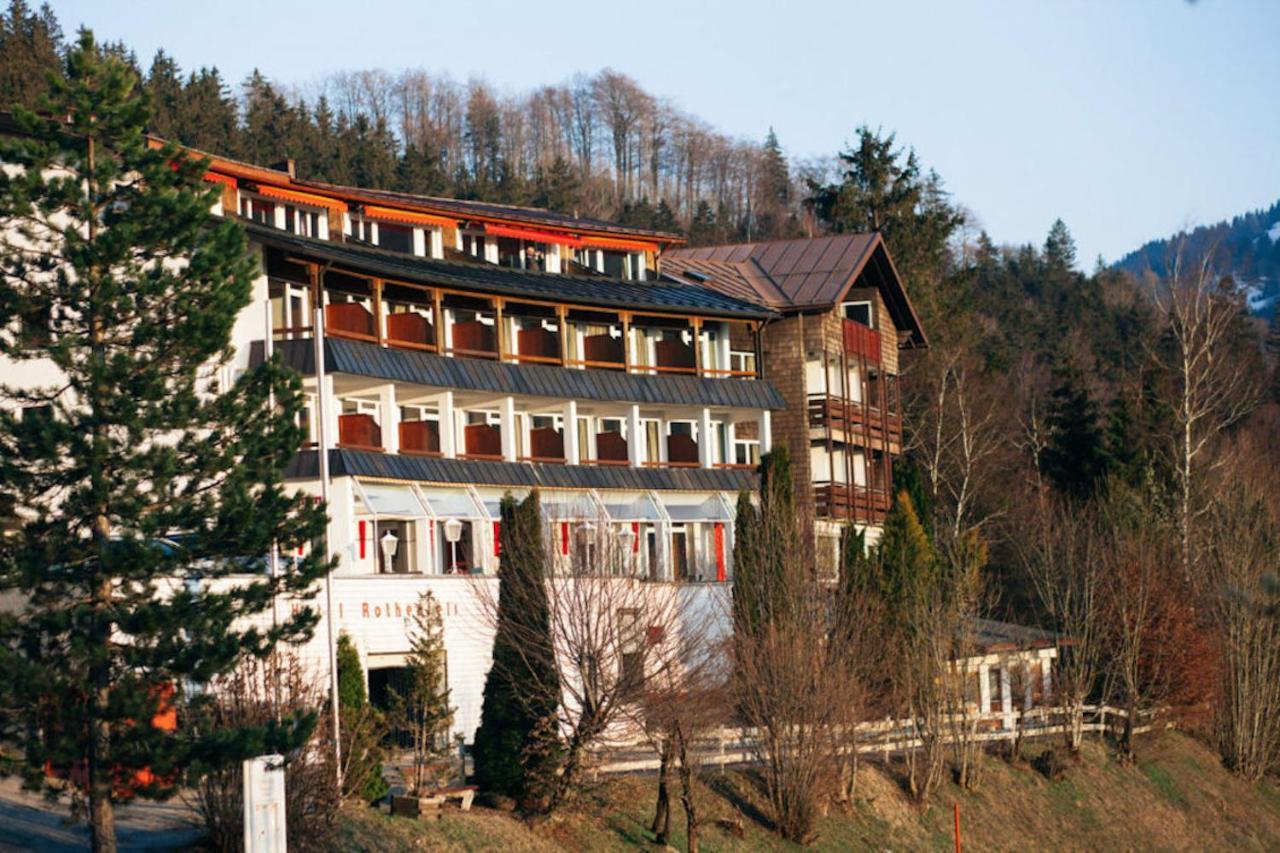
x: 662, y: 814
x: 686, y: 792
x: 102, y: 818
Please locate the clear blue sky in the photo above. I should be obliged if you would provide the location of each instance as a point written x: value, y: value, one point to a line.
x: 1128, y: 119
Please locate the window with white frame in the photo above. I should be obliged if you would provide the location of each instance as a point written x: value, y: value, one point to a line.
x: 742, y: 362
x: 859, y: 312
x: 746, y: 451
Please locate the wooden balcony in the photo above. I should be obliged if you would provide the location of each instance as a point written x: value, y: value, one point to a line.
x: 611, y: 449
x: 546, y: 444
x: 538, y: 345
x: 861, y: 341
x: 359, y: 431
x: 851, y: 502
x: 420, y: 437
x: 474, y: 338
x: 483, y: 441
x: 349, y: 320
x: 854, y: 423
x: 604, y: 351
x: 411, y: 329
x: 674, y: 356
x: 682, y: 451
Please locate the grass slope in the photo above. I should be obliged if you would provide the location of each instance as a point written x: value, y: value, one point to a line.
x: 1177, y: 797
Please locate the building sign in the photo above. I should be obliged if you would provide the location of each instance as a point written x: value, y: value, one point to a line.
x: 264, y: 810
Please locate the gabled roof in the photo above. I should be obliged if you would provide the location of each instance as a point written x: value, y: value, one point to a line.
x: 491, y: 279
x: 805, y: 274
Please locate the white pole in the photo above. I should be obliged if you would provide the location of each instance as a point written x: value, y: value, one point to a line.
x: 268, y: 348
x: 322, y: 436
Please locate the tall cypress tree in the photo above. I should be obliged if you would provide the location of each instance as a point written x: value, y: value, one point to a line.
x: 517, y: 746
x: 764, y: 538
x: 148, y: 474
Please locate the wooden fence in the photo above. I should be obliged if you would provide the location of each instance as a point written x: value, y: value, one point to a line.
x: 732, y: 746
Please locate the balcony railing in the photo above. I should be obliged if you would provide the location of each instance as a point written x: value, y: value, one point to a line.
x: 476, y: 339
x: 359, y: 431
x: 858, y: 421
x: 350, y: 319
x: 546, y: 444
x: 851, y: 501
x: 861, y: 341
x: 673, y: 356
x: 538, y: 345
x: 483, y: 441
x: 411, y: 329
x: 611, y: 449
x: 420, y: 437
x: 682, y: 451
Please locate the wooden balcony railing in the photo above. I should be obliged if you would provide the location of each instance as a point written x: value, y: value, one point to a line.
x: 673, y: 356
x: 409, y: 328
x: 349, y: 319
x: 546, y: 444
x: 860, y: 423
x: 604, y: 350
x: 611, y: 449
x: 538, y: 345
x: 682, y: 451
x: 853, y: 502
x: 474, y: 338
x: 483, y: 441
x: 420, y: 437
x: 359, y: 431
x: 862, y: 341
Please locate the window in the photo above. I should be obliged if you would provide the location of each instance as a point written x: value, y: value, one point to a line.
x: 258, y: 210
x: 679, y: 553
x: 742, y: 362
x: 746, y: 451
x: 395, y: 537
x: 472, y: 244
x: 396, y: 238
x: 859, y: 312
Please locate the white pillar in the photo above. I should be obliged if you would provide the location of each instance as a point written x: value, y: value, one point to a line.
x: 984, y: 689
x: 572, y: 453
x: 372, y: 234
x: 437, y: 242
x: 332, y: 408
x: 342, y: 524
x: 730, y: 435
x: 346, y: 224
x: 507, y: 415
x: 419, y: 242
x: 706, y: 447
x: 390, y: 418
x: 278, y: 216
x: 722, y: 343
x: 1046, y: 671
x: 322, y: 229
x: 447, y: 329
x: 491, y: 251
x: 448, y: 426
x: 1006, y: 697
x: 766, y: 431
x: 635, y: 436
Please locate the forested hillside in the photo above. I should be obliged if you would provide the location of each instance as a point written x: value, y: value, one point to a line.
x: 1248, y: 247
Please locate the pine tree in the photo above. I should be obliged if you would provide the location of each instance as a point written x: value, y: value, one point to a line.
x: 30, y: 48
x: 557, y: 187
x: 1060, y: 248
x: 208, y: 117
x: 166, y: 93
x: 763, y: 538
x: 702, y: 227
x: 149, y: 475
x: 351, y: 690
x: 1075, y: 459
x: 517, y: 745
x: 907, y: 565
x: 422, y: 706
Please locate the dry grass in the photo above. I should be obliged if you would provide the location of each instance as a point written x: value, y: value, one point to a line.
x: 1176, y: 797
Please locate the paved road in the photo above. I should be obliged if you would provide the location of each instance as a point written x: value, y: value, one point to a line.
x: 29, y: 822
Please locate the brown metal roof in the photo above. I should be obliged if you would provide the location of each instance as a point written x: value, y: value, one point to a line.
x: 806, y: 274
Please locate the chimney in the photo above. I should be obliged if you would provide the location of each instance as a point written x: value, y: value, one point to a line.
x: 289, y: 166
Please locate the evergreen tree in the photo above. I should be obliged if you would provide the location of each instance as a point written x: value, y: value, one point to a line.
x: 557, y: 187
x: 363, y: 728
x: 167, y: 95
x: 351, y: 690
x: 419, y: 172
x: 517, y: 746
x: 30, y: 50
x: 1075, y: 459
x: 773, y: 209
x: 702, y: 227
x: 208, y: 119
x: 664, y: 218
x: 908, y: 568
x: 1060, y: 248
x: 421, y: 706
x: 762, y: 542
x: 150, y: 475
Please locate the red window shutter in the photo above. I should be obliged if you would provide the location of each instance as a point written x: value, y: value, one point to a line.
x: 564, y: 537
x: 719, y: 537
x: 497, y: 539
x: 635, y: 542
x: 361, y: 538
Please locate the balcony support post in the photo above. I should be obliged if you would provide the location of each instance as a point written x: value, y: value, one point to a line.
x: 766, y: 431
x: 448, y: 426
x: 635, y: 447
x: 706, y: 457
x: 390, y: 419
x: 572, y: 454
x: 507, y: 414
x: 378, y: 323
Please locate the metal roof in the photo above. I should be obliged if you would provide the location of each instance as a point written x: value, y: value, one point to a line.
x: 798, y: 275
x: 991, y: 635
x: 472, y: 207
x: 491, y: 279
x: 425, y: 469
x: 539, y: 380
